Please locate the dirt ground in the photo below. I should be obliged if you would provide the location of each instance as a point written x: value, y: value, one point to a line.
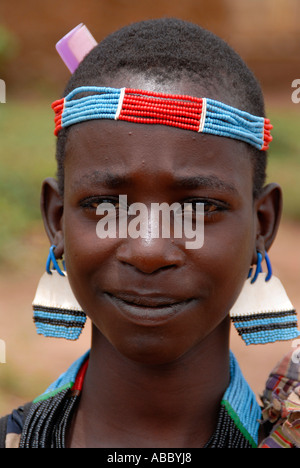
x: 32, y: 362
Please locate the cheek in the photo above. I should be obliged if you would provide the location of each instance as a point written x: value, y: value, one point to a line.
x: 226, y: 258
x: 85, y: 253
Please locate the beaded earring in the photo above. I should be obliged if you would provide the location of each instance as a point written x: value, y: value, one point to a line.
x: 56, y: 311
x: 263, y: 312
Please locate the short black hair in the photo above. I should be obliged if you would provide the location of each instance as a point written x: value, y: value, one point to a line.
x: 167, y: 49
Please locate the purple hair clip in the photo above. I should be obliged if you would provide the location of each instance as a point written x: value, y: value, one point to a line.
x: 75, y: 45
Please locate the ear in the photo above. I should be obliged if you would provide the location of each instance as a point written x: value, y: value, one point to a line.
x: 268, y: 211
x: 52, y: 213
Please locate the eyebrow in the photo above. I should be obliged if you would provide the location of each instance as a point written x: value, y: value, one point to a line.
x: 106, y: 179
x: 200, y: 181
x: 113, y: 180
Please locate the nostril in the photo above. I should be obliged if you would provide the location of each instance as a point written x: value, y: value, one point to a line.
x: 168, y: 267
x: 150, y: 258
x: 148, y: 267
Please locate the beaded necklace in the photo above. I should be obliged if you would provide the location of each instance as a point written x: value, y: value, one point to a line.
x: 52, y: 412
x: 138, y: 106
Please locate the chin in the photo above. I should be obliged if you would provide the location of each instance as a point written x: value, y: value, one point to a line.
x: 153, y: 350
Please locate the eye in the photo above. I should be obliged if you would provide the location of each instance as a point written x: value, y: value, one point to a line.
x: 103, y: 205
x: 209, y: 206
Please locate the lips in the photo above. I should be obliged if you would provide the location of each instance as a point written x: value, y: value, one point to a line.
x: 150, y: 308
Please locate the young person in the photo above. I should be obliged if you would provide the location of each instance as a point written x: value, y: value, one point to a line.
x: 161, y: 111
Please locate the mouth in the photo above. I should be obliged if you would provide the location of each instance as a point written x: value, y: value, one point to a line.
x: 148, y: 309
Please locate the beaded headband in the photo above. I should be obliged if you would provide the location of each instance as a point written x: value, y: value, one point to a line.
x: 202, y: 115
x: 190, y: 113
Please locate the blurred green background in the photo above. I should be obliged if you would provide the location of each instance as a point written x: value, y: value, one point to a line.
x: 265, y: 32
x: 26, y: 158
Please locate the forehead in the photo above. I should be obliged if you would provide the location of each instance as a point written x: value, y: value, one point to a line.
x: 155, y: 152
x: 153, y: 155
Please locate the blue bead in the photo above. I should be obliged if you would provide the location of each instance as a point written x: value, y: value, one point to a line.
x: 270, y: 336
x: 54, y: 331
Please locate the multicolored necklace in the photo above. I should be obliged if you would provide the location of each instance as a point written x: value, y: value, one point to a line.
x: 51, y: 413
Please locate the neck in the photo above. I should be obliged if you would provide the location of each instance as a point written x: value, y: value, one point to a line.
x: 129, y: 404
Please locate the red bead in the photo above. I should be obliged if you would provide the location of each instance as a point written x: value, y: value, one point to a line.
x: 58, y: 102
x: 159, y: 121
x: 165, y: 111
x: 268, y: 126
x: 133, y: 93
x: 80, y: 377
x: 268, y: 138
x: 57, y: 129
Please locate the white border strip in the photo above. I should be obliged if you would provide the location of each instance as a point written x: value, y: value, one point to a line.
x: 203, y: 115
x: 121, y: 99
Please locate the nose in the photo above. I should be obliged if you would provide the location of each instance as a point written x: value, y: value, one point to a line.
x: 150, y: 256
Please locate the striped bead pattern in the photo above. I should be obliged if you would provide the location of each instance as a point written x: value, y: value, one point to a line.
x: 144, y: 107
x: 58, y: 323
x: 157, y: 108
x: 267, y: 327
x: 240, y: 403
x: 227, y: 121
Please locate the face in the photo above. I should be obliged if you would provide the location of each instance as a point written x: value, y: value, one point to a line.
x: 154, y: 299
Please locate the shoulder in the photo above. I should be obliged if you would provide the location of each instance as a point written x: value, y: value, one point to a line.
x: 281, y: 403
x: 11, y: 427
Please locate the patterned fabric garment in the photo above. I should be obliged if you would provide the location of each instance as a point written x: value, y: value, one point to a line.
x: 281, y: 400
x: 44, y: 422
